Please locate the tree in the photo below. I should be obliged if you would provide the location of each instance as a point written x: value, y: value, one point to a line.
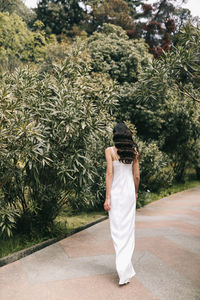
x: 164, y: 104
x: 114, y: 53
x: 115, y: 12
x: 18, y: 7
x: 59, y: 16
x: 163, y: 21
x: 17, y: 43
x: 158, y: 24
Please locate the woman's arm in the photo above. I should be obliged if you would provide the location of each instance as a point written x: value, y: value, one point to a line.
x: 136, y: 174
x: 108, y: 178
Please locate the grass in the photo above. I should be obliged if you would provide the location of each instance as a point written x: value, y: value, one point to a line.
x: 63, y: 224
x: 17, y: 243
x: 178, y: 187
x: 67, y: 221
x: 190, y: 182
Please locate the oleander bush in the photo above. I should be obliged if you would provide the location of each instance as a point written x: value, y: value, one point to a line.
x: 54, y: 128
x: 156, y: 167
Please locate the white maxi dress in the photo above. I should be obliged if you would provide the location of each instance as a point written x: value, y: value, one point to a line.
x: 122, y: 218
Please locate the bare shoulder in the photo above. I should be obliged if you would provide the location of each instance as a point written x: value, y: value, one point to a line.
x: 108, y: 149
x: 108, y: 153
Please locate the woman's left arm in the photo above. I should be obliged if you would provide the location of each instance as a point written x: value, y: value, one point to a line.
x: 108, y: 156
x: 136, y: 174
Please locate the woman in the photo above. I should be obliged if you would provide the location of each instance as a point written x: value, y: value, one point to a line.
x: 122, y: 181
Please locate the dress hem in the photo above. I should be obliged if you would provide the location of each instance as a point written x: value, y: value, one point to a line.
x: 127, y: 281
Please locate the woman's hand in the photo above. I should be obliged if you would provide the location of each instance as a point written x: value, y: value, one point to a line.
x: 107, y: 204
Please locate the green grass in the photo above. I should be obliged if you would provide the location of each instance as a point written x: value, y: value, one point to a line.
x: 178, y: 187
x: 17, y: 243
x: 63, y: 224
x: 67, y: 221
x: 190, y: 182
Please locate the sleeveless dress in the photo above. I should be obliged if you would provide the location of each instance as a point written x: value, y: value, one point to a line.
x: 122, y: 218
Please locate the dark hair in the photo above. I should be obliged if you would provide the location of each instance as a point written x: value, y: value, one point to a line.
x: 126, y: 147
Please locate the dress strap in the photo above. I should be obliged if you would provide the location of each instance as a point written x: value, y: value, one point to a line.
x: 114, y: 153
x: 112, y: 150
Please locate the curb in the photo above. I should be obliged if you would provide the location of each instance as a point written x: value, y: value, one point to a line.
x: 25, y: 252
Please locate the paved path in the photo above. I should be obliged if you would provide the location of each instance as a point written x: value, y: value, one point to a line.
x: 82, y: 267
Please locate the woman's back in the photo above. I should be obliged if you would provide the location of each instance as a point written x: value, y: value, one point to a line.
x: 122, y: 217
x: 122, y: 175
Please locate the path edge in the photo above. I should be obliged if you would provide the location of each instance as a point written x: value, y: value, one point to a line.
x: 25, y: 252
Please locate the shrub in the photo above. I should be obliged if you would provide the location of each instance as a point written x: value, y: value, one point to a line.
x: 8, y: 216
x: 156, y: 168
x: 54, y: 128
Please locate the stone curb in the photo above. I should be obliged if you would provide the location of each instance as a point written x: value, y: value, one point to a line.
x: 22, y: 253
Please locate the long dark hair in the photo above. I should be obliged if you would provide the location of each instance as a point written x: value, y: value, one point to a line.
x: 126, y: 147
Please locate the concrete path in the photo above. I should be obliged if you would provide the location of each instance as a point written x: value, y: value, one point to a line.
x: 82, y: 267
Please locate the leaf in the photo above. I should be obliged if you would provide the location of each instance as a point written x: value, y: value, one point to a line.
x: 83, y: 125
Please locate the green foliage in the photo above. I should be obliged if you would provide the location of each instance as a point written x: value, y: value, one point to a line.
x: 59, y: 16
x: 55, y: 53
x: 164, y: 103
x: 38, y: 25
x: 8, y: 215
x: 18, y: 7
x: 116, y: 12
x: 157, y: 23
x: 156, y: 167
x: 54, y: 129
x: 184, y: 61
x: 113, y: 53
x: 18, y: 44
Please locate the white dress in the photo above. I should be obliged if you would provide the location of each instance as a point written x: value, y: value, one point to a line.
x: 122, y: 218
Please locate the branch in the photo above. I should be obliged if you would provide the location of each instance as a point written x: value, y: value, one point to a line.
x: 185, y: 92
